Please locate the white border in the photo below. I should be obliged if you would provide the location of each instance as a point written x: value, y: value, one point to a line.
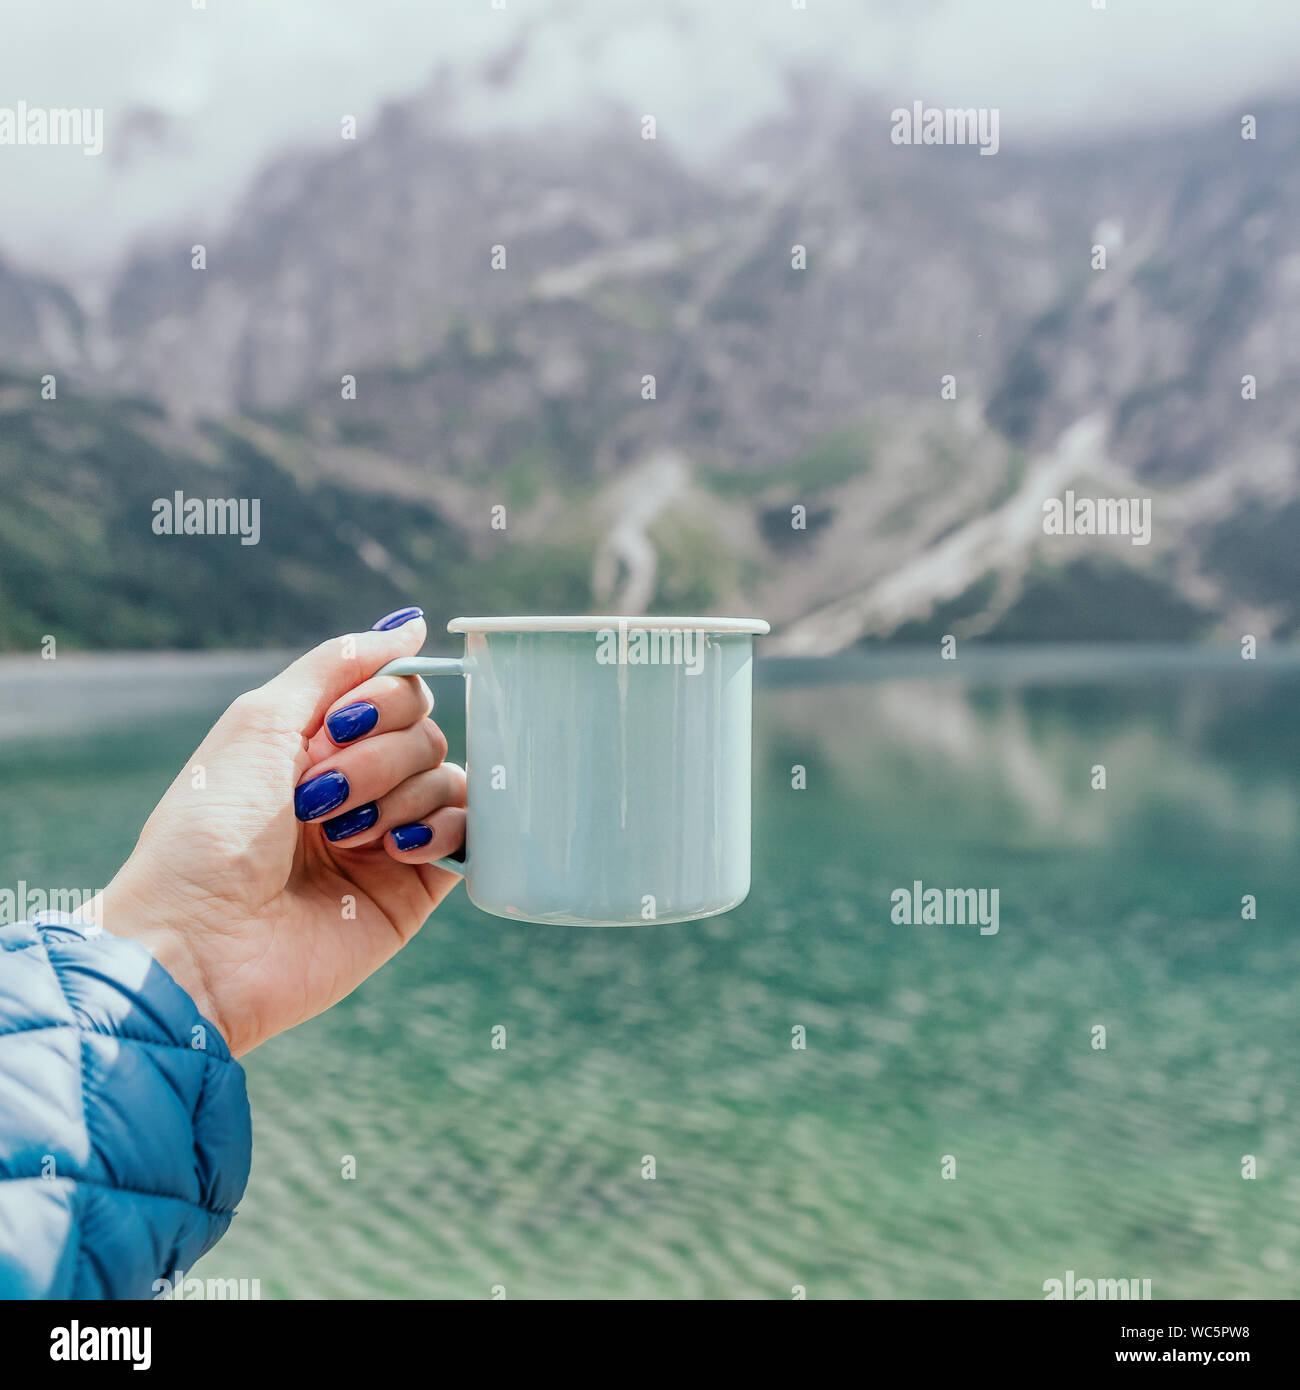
x: 579, y: 624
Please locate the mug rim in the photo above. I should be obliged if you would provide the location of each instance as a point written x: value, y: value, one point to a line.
x: 578, y: 623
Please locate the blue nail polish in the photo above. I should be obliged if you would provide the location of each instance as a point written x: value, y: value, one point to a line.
x: 351, y: 822
x: 320, y: 795
x: 352, y: 721
x: 397, y: 619
x: 412, y: 836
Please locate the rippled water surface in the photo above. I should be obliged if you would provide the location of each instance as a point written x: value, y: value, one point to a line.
x: 775, y: 1166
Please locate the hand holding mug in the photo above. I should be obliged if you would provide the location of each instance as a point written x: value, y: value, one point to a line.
x: 611, y: 764
x: 274, y: 883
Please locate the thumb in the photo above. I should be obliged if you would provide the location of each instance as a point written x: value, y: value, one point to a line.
x: 302, y: 692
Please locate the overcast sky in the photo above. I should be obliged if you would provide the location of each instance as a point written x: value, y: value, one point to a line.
x: 242, y: 79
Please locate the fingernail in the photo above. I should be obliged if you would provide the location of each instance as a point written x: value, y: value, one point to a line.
x: 399, y: 618
x: 412, y: 836
x: 320, y: 795
x: 352, y: 721
x: 351, y: 822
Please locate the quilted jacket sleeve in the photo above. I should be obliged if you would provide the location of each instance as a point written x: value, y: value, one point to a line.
x: 124, y: 1130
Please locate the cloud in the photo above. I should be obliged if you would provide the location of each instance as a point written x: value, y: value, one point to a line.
x: 228, y: 86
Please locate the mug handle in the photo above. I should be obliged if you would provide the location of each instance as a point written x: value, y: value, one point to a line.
x: 433, y: 666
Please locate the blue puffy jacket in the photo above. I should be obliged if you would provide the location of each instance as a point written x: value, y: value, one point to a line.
x: 124, y: 1130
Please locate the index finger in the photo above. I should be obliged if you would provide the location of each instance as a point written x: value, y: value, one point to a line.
x: 380, y: 705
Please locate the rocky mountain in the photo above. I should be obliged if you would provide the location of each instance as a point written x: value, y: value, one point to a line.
x: 41, y: 324
x: 903, y: 351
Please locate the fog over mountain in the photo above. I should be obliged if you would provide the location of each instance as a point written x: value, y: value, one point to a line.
x: 776, y: 388
x: 197, y: 101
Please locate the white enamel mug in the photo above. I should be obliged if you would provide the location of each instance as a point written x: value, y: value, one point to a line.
x: 608, y: 764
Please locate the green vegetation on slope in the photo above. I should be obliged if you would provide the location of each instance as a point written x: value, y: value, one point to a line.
x: 79, y: 558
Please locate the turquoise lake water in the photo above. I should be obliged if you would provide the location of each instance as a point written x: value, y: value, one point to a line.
x: 778, y: 1167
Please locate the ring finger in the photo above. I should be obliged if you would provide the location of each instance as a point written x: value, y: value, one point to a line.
x: 415, y: 800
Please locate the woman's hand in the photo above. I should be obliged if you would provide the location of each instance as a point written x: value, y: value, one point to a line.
x: 292, y: 855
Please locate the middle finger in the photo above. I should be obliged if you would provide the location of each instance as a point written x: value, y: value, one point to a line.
x: 367, y: 770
